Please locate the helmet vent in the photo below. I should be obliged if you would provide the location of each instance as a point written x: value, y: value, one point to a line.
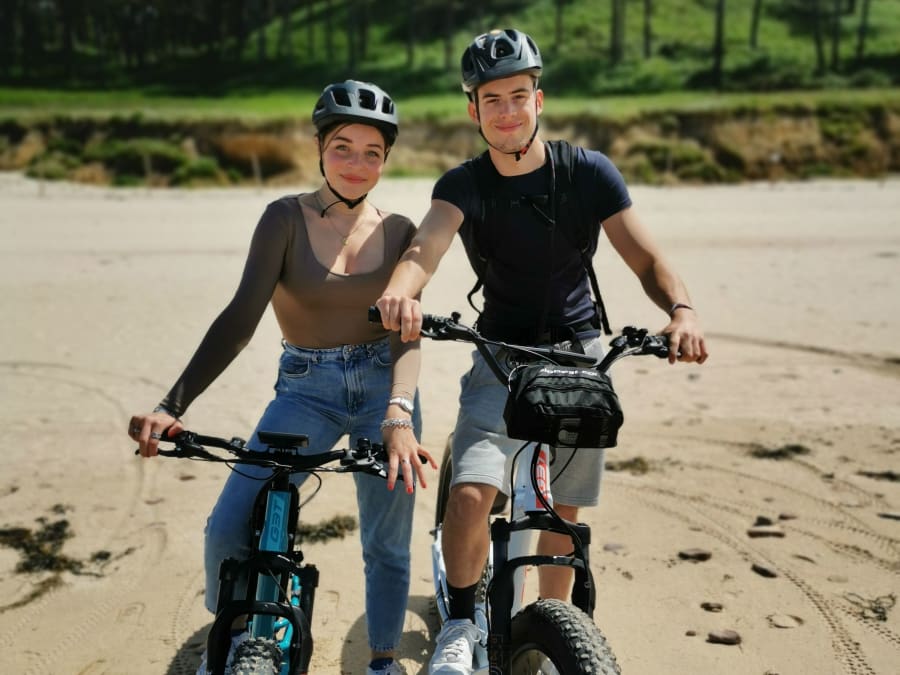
x: 341, y: 97
x: 502, y: 48
x: 366, y: 99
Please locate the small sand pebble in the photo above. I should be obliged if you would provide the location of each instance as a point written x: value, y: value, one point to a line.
x: 690, y: 633
x: 787, y: 516
x: 765, y: 531
x: 764, y: 571
x: 712, y: 606
x: 613, y: 547
x: 784, y: 621
x: 695, y: 554
x: 763, y: 520
x: 724, y: 637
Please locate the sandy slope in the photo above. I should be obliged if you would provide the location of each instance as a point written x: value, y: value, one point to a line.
x: 105, y: 293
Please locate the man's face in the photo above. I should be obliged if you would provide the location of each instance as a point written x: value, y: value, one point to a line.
x: 507, y: 110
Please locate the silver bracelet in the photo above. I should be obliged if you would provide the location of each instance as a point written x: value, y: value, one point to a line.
x: 396, y: 422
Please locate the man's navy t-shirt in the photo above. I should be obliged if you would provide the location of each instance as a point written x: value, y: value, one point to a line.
x: 518, y: 244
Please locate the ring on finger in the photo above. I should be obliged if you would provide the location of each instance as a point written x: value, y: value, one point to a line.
x: 155, y: 435
x: 134, y: 430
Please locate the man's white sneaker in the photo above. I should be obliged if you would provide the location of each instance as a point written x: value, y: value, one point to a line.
x: 454, y: 647
x: 393, y: 669
x: 235, y: 641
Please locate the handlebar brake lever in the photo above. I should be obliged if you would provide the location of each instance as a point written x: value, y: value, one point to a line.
x: 656, y: 345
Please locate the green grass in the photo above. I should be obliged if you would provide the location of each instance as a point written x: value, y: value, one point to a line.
x: 33, y: 104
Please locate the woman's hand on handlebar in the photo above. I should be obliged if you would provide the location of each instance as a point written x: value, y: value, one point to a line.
x: 147, y: 430
x: 405, y: 456
x: 686, y: 341
x: 401, y: 313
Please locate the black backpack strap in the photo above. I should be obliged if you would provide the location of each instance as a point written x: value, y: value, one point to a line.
x: 575, y: 226
x: 486, y: 179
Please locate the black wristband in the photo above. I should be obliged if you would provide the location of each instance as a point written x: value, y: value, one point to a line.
x: 676, y: 306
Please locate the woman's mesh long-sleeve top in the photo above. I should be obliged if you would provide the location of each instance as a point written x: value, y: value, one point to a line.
x: 315, y: 308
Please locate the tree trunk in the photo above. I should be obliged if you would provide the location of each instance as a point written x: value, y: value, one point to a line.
x: 719, y: 44
x: 364, y: 19
x: 863, y: 31
x: 410, y: 32
x: 836, y: 34
x: 68, y: 14
x: 285, y: 47
x: 241, y: 28
x: 558, y: 33
x: 449, y: 61
x: 8, y: 15
x: 329, y: 26
x: 352, y: 26
x: 261, y: 16
x: 617, y: 32
x: 817, y: 36
x: 310, y: 31
x: 32, y: 41
x: 754, y: 24
x: 648, y: 28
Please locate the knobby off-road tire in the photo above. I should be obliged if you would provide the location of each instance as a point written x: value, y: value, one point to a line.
x: 553, y: 637
x: 257, y: 656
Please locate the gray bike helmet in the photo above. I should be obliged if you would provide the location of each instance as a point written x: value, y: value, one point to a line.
x: 498, y: 54
x: 352, y: 101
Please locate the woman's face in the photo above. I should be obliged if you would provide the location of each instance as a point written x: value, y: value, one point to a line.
x: 507, y: 111
x: 353, y: 158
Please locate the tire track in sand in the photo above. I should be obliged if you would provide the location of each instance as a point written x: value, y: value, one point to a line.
x: 846, y: 649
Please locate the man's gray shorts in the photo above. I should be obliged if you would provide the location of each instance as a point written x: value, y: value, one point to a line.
x: 482, y: 453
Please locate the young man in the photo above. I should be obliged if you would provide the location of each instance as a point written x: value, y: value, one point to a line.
x: 536, y: 291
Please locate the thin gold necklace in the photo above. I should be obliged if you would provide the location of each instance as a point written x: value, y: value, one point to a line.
x: 345, y: 238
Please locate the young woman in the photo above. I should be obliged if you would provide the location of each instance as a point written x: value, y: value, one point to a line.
x: 321, y: 258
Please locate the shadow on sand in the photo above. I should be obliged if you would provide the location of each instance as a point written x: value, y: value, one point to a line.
x: 414, y: 644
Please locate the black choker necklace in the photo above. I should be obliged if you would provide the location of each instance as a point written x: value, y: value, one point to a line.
x: 345, y: 238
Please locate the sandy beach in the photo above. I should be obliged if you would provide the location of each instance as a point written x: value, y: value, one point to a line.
x: 795, y: 418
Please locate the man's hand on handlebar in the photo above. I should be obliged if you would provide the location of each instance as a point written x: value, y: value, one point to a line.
x: 686, y: 341
x: 400, y: 313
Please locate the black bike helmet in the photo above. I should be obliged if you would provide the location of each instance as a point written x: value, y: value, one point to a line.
x: 357, y: 102
x: 498, y: 54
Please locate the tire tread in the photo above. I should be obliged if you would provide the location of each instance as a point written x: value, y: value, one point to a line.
x: 257, y: 656
x: 565, y: 634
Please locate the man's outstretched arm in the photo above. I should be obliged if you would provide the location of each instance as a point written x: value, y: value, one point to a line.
x: 660, y: 282
x: 400, y: 309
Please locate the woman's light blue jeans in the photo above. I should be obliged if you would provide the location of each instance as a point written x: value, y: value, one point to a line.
x: 326, y: 393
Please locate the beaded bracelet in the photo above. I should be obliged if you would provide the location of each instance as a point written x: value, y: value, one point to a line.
x: 396, y: 422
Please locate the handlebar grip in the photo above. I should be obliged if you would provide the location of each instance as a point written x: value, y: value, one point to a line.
x: 429, y: 321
